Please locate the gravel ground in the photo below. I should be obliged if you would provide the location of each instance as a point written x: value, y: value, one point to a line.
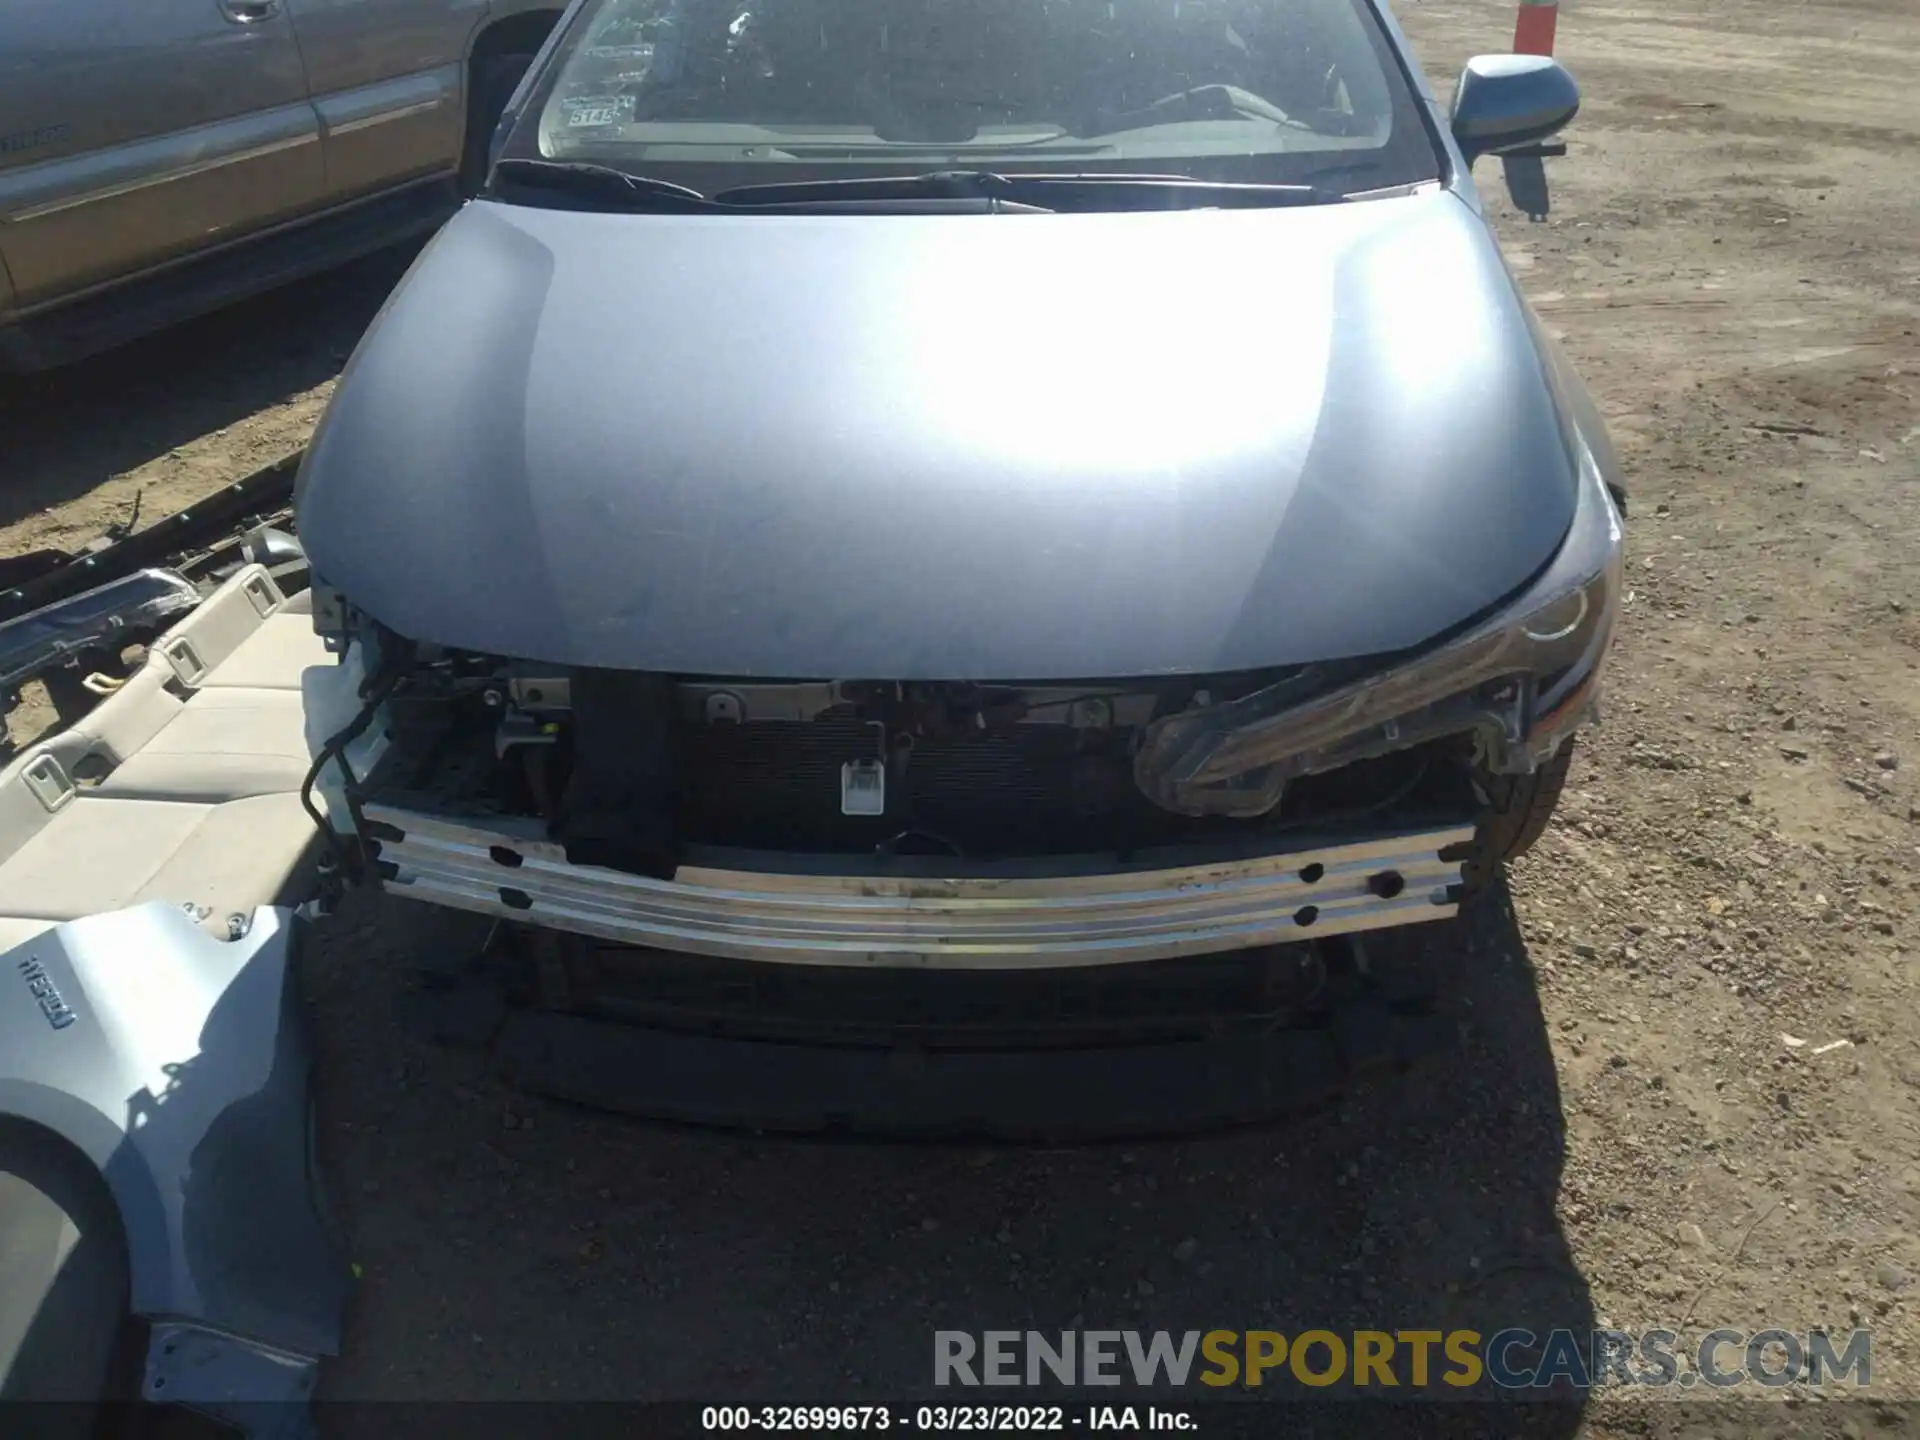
x: 1691, y: 1047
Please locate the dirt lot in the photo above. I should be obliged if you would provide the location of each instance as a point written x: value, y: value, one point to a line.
x: 1688, y: 1095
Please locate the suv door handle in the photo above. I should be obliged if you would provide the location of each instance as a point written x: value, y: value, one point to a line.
x: 249, y: 12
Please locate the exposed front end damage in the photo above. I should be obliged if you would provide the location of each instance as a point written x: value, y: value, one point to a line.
x: 1517, y: 683
x: 655, y: 845
x: 876, y: 822
x: 1160, y: 902
x: 1074, y: 910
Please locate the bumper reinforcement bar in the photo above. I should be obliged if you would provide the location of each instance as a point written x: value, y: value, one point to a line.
x: 1061, y: 911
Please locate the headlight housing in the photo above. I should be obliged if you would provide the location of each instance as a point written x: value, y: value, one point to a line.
x: 1520, y: 681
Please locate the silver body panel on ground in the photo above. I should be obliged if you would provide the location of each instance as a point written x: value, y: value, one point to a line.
x: 176, y: 1063
x: 1023, y: 916
x: 135, y: 137
x: 150, y: 856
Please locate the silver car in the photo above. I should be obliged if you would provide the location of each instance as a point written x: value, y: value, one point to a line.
x: 891, y: 499
x: 163, y: 158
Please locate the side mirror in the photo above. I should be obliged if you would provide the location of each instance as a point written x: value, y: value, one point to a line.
x: 1504, y: 101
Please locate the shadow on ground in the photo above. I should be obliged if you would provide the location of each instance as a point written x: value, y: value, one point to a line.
x: 518, y: 1250
x: 67, y: 430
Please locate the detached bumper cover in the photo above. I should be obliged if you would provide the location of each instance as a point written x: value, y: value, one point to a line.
x: 1026, y: 914
x: 178, y: 1064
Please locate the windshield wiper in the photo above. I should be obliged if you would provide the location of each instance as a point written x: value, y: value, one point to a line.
x: 1092, y: 191
x: 596, y: 186
x: 603, y: 185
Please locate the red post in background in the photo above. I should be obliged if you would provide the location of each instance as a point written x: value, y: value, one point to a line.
x: 1534, y: 26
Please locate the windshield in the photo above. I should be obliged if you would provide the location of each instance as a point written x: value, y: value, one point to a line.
x: 717, y: 93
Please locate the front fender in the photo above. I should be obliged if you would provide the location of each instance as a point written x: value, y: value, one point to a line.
x: 176, y: 1063
x: 1580, y: 410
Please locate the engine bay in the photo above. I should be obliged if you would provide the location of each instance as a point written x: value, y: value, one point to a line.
x: 625, y: 769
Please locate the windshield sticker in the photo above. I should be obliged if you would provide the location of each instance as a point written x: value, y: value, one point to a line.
x: 598, y: 111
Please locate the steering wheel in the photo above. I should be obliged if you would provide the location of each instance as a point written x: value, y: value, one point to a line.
x: 1201, y: 102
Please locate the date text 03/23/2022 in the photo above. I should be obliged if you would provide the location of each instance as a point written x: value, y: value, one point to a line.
x: 993, y: 1419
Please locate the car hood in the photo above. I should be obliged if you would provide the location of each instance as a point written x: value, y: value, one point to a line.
x: 1012, y: 447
